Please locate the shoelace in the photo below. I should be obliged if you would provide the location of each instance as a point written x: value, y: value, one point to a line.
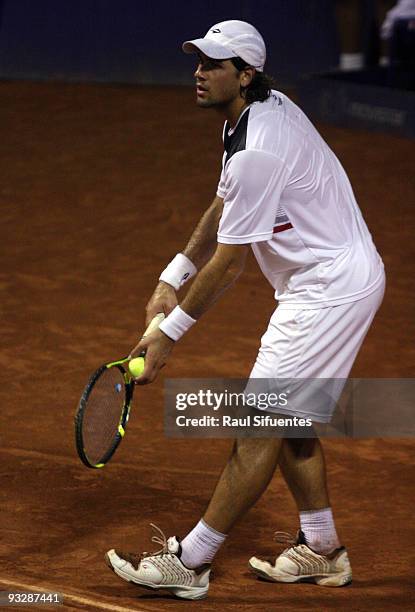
x: 283, y: 537
x: 157, y: 540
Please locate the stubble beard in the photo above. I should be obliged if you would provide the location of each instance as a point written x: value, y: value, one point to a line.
x: 212, y: 103
x: 204, y: 103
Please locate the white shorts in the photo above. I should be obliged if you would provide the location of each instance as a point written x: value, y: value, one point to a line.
x: 310, y: 344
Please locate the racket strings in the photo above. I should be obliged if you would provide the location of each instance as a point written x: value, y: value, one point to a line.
x: 103, y: 412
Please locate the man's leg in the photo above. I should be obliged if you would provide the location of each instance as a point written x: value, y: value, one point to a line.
x: 245, y: 477
x: 303, y: 467
x: 316, y: 554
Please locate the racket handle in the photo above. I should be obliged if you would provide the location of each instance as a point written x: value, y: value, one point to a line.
x: 154, y: 323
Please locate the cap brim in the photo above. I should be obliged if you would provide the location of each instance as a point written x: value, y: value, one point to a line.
x: 210, y: 48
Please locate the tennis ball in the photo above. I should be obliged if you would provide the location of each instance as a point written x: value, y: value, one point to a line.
x: 136, y: 366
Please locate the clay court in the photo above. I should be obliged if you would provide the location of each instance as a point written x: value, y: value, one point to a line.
x: 101, y: 186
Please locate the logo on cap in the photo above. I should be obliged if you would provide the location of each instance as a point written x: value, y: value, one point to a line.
x: 216, y: 31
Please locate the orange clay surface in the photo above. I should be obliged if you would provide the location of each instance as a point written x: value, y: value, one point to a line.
x: 101, y: 186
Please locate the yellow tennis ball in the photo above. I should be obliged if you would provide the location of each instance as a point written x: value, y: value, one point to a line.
x: 136, y: 366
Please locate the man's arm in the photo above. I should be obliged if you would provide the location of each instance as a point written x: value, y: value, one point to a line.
x: 220, y: 272
x: 202, y: 243
x: 199, y: 250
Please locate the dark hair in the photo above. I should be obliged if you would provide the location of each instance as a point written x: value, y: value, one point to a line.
x: 259, y: 89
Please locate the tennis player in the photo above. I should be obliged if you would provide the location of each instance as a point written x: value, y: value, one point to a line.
x: 282, y: 192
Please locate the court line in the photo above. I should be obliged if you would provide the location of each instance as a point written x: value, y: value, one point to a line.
x: 20, y: 452
x: 71, y: 596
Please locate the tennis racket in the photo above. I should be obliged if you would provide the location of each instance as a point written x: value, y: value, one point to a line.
x: 104, y: 408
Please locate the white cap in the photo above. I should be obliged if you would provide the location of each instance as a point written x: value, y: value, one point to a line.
x: 229, y: 39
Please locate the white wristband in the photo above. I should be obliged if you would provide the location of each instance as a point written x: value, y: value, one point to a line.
x: 179, y: 271
x: 177, y: 324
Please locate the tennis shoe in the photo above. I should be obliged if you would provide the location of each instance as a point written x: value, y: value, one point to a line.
x: 162, y: 569
x: 299, y: 563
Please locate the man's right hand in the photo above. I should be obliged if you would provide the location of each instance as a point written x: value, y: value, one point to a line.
x: 164, y: 299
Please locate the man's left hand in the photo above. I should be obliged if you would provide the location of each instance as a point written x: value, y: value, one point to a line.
x: 157, y: 346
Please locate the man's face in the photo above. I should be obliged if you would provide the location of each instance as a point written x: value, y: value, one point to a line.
x: 218, y: 82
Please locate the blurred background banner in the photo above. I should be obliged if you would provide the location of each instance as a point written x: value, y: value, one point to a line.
x: 135, y: 41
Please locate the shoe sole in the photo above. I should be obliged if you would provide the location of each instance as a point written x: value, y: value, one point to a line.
x: 330, y: 580
x: 178, y: 591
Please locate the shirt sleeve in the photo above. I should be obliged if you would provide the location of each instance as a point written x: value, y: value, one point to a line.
x: 252, y: 185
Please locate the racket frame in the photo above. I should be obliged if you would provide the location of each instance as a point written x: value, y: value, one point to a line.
x: 125, y: 413
x: 129, y: 385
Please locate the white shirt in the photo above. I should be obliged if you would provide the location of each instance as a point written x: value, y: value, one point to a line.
x: 286, y: 194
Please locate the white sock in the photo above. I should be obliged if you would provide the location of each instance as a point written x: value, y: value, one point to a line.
x: 201, y: 545
x: 319, y: 530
